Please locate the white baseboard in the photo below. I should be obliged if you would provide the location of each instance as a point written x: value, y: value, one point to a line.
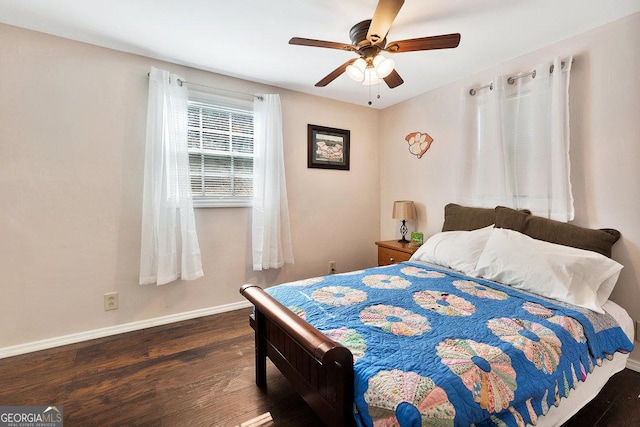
x: 119, y: 329
x: 634, y: 365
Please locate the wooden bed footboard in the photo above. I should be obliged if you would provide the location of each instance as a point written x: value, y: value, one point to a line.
x: 320, y: 369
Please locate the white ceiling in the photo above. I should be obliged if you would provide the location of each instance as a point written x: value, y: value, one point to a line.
x: 249, y: 38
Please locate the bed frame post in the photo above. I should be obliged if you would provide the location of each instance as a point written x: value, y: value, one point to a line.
x: 261, y: 350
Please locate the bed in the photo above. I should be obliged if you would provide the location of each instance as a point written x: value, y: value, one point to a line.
x: 501, y: 319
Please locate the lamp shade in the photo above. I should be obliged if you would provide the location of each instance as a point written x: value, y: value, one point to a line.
x: 384, y: 66
x: 370, y: 77
x: 356, y: 70
x: 404, y: 209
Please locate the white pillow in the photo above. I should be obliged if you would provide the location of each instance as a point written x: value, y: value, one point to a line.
x: 560, y: 272
x: 604, y: 291
x: 458, y: 250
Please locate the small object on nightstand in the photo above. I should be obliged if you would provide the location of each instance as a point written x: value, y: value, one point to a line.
x: 392, y: 252
x: 416, y: 239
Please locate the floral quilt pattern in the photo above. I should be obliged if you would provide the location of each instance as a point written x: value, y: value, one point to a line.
x: 435, y: 348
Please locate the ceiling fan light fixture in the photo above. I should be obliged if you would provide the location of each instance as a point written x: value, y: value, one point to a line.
x: 356, y: 71
x: 368, y: 39
x: 383, y: 66
x: 370, y: 77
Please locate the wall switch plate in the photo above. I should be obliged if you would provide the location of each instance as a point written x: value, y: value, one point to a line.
x: 110, y: 301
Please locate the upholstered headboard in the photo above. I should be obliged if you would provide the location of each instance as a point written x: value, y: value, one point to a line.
x: 464, y: 218
x: 458, y: 217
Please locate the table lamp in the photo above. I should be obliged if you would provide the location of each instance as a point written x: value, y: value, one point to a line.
x: 404, y: 210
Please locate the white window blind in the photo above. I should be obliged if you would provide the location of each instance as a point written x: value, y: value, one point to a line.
x: 522, y: 148
x: 220, y: 140
x: 517, y: 182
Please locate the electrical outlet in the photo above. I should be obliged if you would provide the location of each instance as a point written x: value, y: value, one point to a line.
x: 332, y: 267
x: 110, y: 301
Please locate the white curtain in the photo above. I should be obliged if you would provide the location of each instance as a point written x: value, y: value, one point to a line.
x: 516, y: 143
x: 271, y: 231
x: 170, y: 248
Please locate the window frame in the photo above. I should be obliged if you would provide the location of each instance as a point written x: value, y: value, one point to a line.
x: 216, y: 101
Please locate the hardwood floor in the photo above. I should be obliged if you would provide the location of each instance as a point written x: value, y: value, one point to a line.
x: 199, y: 372
x: 618, y: 404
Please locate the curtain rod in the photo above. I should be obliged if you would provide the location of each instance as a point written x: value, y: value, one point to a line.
x: 220, y: 89
x: 181, y: 82
x: 512, y: 80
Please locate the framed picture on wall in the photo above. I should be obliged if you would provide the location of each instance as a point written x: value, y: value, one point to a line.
x: 328, y: 148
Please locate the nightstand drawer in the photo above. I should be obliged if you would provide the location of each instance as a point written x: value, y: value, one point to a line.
x: 392, y: 251
x: 388, y: 256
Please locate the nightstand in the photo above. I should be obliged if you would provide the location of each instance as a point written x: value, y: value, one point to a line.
x: 392, y: 251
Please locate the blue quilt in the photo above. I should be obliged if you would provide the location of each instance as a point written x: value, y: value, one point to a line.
x: 432, y: 347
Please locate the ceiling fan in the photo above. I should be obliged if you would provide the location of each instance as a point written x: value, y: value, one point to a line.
x: 368, y: 39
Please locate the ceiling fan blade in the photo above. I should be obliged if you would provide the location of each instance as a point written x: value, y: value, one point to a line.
x: 321, y: 43
x: 393, y: 79
x: 385, y: 14
x: 335, y: 73
x: 445, y: 41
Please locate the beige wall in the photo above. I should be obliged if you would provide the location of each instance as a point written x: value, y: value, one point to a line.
x: 72, y: 122
x: 605, y: 144
x: 72, y: 126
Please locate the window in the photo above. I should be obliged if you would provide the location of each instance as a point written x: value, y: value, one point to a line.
x: 220, y: 140
x: 521, y: 156
x: 519, y: 153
